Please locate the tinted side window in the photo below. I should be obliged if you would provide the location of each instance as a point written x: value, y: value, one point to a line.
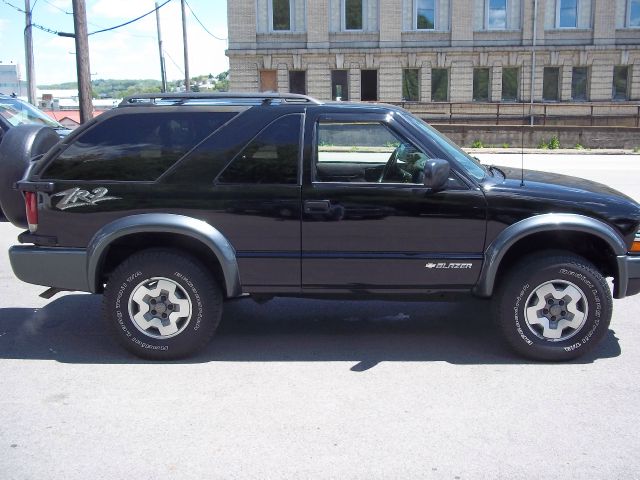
x: 271, y: 157
x: 134, y: 146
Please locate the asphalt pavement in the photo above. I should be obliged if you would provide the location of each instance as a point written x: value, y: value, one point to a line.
x: 317, y: 389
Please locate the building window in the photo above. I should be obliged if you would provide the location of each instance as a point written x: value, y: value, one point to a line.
x: 298, y: 82
x: 496, y: 14
x: 425, y: 14
x: 280, y: 15
x: 579, y: 83
x: 620, y: 82
x: 339, y: 85
x: 551, y: 84
x: 352, y: 11
x: 480, y: 84
x: 510, y: 84
x: 439, y: 85
x: 411, y: 85
x: 567, y: 13
x: 369, y: 85
x: 633, y: 13
x: 268, y: 81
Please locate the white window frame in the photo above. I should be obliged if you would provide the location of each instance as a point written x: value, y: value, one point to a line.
x: 435, y: 17
x: 291, y: 17
x: 628, y: 16
x: 558, y: 5
x: 506, y: 12
x: 343, y: 17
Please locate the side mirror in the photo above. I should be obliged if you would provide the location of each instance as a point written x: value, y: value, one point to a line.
x: 436, y: 173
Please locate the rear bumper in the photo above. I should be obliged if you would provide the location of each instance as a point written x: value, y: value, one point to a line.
x: 64, y: 268
x: 628, y: 282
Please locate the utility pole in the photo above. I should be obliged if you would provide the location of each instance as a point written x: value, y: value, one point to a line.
x: 187, y: 80
x: 28, y: 53
x: 163, y: 75
x: 82, y: 59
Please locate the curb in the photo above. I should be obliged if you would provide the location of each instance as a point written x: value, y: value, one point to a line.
x: 559, y: 151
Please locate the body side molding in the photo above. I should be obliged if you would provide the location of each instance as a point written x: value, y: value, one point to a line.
x: 165, y: 223
x: 542, y: 223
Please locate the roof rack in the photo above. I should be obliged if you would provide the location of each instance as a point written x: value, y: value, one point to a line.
x: 218, y: 98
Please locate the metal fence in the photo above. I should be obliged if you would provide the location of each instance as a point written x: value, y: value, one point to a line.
x: 623, y: 114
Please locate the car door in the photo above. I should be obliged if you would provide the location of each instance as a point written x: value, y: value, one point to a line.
x: 368, y: 221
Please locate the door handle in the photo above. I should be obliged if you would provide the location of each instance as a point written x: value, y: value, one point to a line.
x: 317, y: 206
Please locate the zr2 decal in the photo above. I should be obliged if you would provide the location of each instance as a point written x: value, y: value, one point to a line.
x: 77, y: 197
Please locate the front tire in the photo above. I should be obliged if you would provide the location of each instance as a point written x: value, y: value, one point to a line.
x: 553, y: 307
x: 162, y: 305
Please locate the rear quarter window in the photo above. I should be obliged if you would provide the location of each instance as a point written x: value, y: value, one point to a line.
x: 134, y: 147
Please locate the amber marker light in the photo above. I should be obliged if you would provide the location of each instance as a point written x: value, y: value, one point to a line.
x: 635, y: 246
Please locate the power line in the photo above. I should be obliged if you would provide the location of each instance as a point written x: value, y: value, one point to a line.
x: 173, y: 61
x: 92, y: 23
x: 130, y: 21
x: 202, y: 25
x: 13, y: 6
x: 57, y: 7
x: 48, y: 30
x: 72, y: 35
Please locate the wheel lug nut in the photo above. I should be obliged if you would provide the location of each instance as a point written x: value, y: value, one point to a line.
x: 153, y: 312
x: 545, y: 311
x: 563, y: 313
x: 550, y: 301
x: 163, y: 298
x: 164, y: 315
x: 561, y: 302
x: 170, y: 306
x: 153, y: 301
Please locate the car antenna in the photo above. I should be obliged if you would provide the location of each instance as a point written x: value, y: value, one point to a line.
x: 522, y: 134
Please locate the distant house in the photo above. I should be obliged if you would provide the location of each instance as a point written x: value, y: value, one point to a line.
x: 69, y: 118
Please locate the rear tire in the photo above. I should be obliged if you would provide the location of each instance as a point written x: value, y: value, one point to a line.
x: 553, y: 306
x: 162, y: 305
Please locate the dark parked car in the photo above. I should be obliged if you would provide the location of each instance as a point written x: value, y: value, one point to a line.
x: 171, y: 204
x: 14, y: 112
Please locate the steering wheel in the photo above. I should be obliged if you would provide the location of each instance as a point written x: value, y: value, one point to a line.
x: 391, y: 164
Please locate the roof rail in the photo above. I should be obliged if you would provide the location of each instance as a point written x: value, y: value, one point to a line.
x: 217, y: 98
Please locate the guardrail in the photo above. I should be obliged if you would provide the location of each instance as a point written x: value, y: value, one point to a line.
x: 624, y: 114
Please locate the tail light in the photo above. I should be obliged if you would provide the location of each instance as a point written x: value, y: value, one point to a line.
x: 31, y: 203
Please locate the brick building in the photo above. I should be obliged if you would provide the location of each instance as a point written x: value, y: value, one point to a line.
x: 438, y: 50
x: 10, y: 81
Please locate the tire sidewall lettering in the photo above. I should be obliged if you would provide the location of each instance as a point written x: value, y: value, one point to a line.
x: 516, y: 311
x: 196, y: 299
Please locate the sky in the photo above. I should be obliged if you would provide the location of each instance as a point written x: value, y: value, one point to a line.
x: 130, y: 52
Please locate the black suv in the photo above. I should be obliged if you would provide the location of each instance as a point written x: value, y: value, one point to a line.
x: 172, y: 204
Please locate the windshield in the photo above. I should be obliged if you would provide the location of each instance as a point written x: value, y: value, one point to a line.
x: 468, y: 163
x: 17, y: 112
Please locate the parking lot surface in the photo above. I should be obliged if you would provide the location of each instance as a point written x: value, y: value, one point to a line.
x: 317, y: 389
